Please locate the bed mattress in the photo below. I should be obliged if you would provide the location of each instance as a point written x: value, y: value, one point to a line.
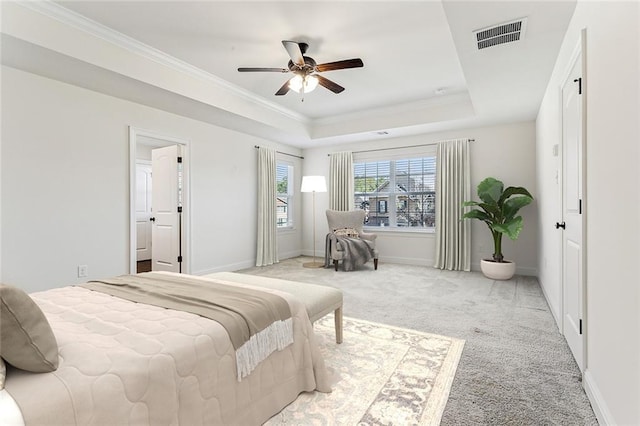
x: 123, y: 362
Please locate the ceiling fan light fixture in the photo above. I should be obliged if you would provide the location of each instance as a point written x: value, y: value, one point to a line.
x: 303, y: 68
x: 303, y: 84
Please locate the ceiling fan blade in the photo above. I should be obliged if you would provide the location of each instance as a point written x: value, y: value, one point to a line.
x: 293, y: 49
x: 282, y: 70
x: 284, y: 89
x: 325, y: 82
x: 340, y: 65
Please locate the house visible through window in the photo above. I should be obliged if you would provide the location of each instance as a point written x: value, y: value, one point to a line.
x: 284, y: 195
x: 397, y: 193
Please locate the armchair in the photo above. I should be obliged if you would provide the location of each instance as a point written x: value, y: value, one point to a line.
x: 341, y: 221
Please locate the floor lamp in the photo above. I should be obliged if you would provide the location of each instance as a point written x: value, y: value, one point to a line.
x: 313, y: 184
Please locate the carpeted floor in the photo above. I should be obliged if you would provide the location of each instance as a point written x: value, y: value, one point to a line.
x: 516, y: 368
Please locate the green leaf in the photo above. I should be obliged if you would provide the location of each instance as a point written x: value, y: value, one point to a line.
x: 513, y: 205
x: 514, y: 190
x: 476, y: 214
x: 489, y: 208
x: 511, y: 228
x: 490, y: 190
x: 492, y: 209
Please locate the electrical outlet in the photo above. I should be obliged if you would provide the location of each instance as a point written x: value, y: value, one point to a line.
x: 83, y: 271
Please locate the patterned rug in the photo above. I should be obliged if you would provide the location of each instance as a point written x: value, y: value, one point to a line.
x: 381, y: 375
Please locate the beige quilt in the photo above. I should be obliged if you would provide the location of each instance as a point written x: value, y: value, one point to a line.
x: 123, y: 363
x: 257, y: 322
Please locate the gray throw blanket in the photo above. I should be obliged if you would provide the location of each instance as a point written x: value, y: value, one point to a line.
x: 258, y: 322
x: 356, y: 251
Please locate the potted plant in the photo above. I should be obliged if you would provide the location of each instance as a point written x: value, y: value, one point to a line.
x: 498, y: 208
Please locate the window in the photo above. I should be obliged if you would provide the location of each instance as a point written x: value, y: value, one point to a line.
x: 397, y: 193
x: 284, y: 195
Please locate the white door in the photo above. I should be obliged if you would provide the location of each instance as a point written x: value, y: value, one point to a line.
x: 572, y: 210
x: 166, y: 219
x: 143, y: 211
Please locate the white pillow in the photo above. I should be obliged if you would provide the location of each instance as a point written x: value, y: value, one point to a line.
x: 346, y: 232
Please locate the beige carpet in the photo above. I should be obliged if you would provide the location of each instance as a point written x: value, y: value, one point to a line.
x: 382, y: 375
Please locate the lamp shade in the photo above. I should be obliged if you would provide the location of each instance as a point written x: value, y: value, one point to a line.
x: 313, y: 184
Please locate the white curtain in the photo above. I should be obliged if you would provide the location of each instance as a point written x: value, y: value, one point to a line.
x: 453, y: 187
x: 267, y: 253
x: 341, y: 192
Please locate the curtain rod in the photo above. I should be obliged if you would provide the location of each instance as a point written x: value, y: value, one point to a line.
x: 283, y: 153
x: 400, y: 147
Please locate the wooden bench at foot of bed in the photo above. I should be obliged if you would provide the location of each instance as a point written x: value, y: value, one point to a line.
x: 319, y: 300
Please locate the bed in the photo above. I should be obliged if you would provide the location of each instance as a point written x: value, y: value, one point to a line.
x: 123, y: 362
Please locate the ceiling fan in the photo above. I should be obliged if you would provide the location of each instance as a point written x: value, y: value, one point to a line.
x: 305, y: 70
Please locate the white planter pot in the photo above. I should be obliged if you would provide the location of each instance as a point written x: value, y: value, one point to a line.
x: 498, y: 270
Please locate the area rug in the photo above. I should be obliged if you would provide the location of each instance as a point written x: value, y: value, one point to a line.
x: 381, y: 375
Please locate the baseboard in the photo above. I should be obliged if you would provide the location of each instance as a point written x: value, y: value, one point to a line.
x: 407, y: 260
x: 597, y: 401
x: 292, y: 254
x: 225, y: 268
x: 245, y: 264
x: 416, y: 261
x: 554, y: 313
x: 400, y: 260
x: 319, y: 254
x: 520, y: 270
x: 528, y: 271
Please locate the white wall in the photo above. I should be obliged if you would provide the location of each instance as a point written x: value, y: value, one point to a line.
x: 65, y: 189
x: 549, y: 134
x: 1, y: 174
x: 612, y: 210
x: 506, y: 152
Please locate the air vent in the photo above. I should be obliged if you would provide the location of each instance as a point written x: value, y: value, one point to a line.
x: 500, y: 34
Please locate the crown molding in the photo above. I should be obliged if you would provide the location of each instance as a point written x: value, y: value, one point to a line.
x: 89, y: 26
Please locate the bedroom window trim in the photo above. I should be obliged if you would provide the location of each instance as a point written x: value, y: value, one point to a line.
x: 420, y: 199
x: 285, y: 200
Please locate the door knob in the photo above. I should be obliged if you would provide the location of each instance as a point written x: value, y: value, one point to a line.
x: 152, y: 219
x: 561, y: 225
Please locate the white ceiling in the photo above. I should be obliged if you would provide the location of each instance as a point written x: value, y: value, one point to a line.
x: 422, y: 71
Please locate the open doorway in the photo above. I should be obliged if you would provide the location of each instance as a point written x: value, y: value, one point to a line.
x: 144, y: 214
x: 159, y: 202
